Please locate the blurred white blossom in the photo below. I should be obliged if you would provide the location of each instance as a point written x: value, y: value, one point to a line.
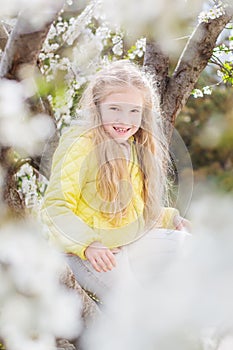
x: 34, y: 307
x: 188, y: 305
x: 17, y: 128
x: 118, y: 48
x: 36, y: 12
x: 104, y: 33
x: 197, y: 93
x: 140, y: 48
x: 214, y: 12
x: 10, y: 110
x: 163, y: 21
x: 207, y: 90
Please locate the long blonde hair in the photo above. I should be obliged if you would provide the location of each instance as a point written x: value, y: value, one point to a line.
x: 150, y: 142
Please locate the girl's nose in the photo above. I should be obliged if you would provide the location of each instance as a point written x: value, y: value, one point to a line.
x: 123, y: 117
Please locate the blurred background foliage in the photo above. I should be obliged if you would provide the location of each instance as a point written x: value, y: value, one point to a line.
x: 206, y: 126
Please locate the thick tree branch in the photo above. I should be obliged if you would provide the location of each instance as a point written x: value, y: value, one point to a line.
x: 24, y: 43
x: 193, y: 60
x: 156, y: 62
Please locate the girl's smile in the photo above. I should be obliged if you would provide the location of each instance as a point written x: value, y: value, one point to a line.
x: 121, y: 130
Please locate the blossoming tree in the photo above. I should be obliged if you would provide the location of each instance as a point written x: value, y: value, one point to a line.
x: 48, y: 56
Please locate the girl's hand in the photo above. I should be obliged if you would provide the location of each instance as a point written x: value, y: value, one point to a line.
x: 182, y: 224
x: 100, y: 257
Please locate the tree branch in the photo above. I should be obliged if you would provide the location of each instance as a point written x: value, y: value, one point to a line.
x: 157, y: 63
x: 24, y: 44
x: 193, y: 60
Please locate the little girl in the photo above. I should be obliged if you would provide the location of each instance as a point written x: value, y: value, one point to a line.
x: 109, y: 186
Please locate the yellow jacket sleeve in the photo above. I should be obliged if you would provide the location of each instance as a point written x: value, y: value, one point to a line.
x: 65, y: 228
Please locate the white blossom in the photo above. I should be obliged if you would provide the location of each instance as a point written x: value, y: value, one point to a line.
x: 116, y: 39
x: 132, y: 55
x: 16, y: 127
x: 77, y: 25
x: 103, y: 31
x: 140, y: 48
x: 215, y: 12
x: 197, y: 93
x: 207, y: 90
x: 34, y: 308
x: 141, y: 44
x: 220, y: 74
x: 16, y: 110
x: 118, y: 48
x: 36, y: 12
x: 25, y: 170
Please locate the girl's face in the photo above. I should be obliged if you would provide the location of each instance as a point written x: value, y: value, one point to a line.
x: 121, y: 113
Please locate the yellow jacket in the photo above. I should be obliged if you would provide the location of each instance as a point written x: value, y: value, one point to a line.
x: 70, y: 208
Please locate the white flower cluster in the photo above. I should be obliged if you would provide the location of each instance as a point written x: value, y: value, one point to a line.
x: 34, y: 308
x: 118, y: 44
x: 224, y: 52
x: 140, y: 48
x: 79, y: 24
x: 30, y: 186
x: 86, y: 41
x: 36, y: 12
x: 104, y: 33
x: 82, y: 61
x: 215, y: 12
x: 207, y: 90
x: 218, y: 50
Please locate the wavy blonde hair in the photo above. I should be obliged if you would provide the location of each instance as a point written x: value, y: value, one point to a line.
x: 150, y: 142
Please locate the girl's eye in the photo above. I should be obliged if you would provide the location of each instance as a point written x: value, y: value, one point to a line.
x: 135, y: 111
x: 114, y: 109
